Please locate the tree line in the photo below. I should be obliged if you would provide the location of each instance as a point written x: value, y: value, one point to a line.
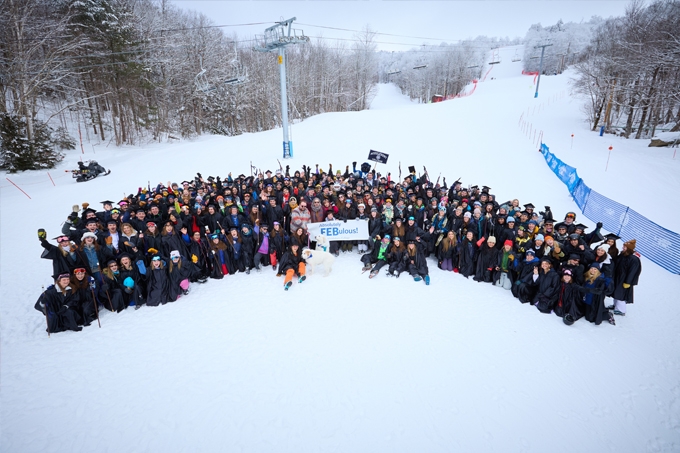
x: 130, y: 71
x: 630, y: 71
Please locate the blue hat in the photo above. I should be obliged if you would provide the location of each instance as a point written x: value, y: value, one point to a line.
x: 129, y: 282
x: 411, y: 218
x: 510, y: 219
x: 387, y: 236
x: 531, y: 252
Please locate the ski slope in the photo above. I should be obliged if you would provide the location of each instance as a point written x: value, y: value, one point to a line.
x: 343, y: 363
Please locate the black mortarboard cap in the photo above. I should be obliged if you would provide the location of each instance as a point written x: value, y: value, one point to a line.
x: 107, y: 202
x: 529, y: 206
x: 581, y: 226
x: 611, y: 236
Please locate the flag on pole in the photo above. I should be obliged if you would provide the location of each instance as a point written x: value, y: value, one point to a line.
x: 377, y: 156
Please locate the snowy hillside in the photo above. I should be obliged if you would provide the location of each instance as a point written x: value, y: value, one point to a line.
x: 343, y: 363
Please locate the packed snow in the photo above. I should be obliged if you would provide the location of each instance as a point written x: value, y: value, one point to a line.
x: 344, y: 363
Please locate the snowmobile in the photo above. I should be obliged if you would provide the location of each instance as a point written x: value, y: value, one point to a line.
x: 89, y: 171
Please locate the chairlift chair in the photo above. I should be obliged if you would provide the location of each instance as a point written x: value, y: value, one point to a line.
x: 420, y: 66
x: 516, y: 57
x: 495, y: 58
x: 201, y: 81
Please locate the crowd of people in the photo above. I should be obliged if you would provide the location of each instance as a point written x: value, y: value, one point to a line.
x: 154, y: 244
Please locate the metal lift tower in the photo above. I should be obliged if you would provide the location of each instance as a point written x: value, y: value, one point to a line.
x: 277, y: 37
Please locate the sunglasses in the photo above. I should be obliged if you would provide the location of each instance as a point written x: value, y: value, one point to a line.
x: 80, y: 270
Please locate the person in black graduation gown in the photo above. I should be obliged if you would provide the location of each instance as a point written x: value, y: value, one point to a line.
x: 158, y: 285
x: 59, y: 304
x: 569, y: 297
x: 65, y: 257
x: 596, y: 286
x: 487, y: 259
x: 523, y: 288
x: 627, y: 269
x: 548, y: 284
x: 467, y: 255
x: 85, y: 286
x: 111, y: 290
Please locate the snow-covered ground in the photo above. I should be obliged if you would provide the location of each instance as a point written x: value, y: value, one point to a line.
x: 343, y: 363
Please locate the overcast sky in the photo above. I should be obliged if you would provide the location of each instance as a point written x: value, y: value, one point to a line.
x: 444, y: 20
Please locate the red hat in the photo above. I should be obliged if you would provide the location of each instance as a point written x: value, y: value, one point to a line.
x: 508, y: 242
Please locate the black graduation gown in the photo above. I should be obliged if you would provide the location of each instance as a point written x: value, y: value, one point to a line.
x: 86, y: 306
x: 172, y: 242
x: 111, y: 293
x: 61, y: 264
x: 523, y: 288
x: 595, y: 310
x: 60, y: 308
x: 201, y: 251
x: 467, y: 257
x: 548, y: 290
x: 397, y: 261
x: 158, y: 286
x: 627, y: 269
x: 486, y: 263
x: 417, y: 264
x: 569, y: 300
x: 138, y: 294
x: 290, y: 261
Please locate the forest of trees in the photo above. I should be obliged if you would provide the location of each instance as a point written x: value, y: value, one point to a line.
x: 125, y: 72
x: 444, y: 69
x: 630, y: 71
x: 133, y: 71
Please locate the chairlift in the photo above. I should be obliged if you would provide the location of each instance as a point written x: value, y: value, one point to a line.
x: 420, y: 66
x: 393, y: 71
x: 201, y: 81
x: 495, y: 57
x: 239, y: 75
x: 516, y: 57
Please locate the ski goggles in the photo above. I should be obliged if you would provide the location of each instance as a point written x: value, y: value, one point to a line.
x: 156, y: 258
x: 80, y: 270
x: 63, y: 276
x: 61, y: 239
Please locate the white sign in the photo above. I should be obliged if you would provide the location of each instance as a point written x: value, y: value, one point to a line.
x: 339, y: 230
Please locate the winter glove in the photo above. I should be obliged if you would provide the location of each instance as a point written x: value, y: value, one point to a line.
x: 194, y: 259
x: 85, y: 205
x: 76, y: 208
x: 42, y: 234
x: 511, y: 257
x: 153, y: 250
x: 626, y: 285
x: 109, y: 240
x: 598, y: 225
x: 105, y: 286
x: 481, y: 241
x: 91, y: 281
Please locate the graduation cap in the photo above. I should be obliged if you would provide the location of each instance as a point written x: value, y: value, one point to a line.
x: 474, y: 187
x: 93, y: 220
x: 106, y: 202
x: 268, y: 172
x: 529, y: 206
x: 581, y: 226
x: 487, y: 189
x: 412, y: 169
x: 88, y: 210
x: 611, y: 236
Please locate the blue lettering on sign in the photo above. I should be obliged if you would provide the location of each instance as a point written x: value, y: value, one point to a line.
x: 335, y: 231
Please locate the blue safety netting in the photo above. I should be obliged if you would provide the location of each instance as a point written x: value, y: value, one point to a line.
x: 655, y: 242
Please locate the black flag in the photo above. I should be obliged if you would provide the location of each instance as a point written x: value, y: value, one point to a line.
x: 377, y: 156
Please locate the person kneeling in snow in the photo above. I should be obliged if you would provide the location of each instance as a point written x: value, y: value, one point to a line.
x: 292, y: 264
x: 416, y: 263
x: 59, y: 303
